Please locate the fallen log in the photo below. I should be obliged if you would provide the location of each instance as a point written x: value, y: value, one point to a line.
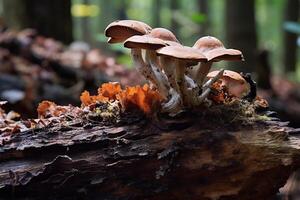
x: 188, y: 158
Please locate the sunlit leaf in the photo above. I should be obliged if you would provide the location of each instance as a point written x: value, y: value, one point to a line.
x: 84, y: 10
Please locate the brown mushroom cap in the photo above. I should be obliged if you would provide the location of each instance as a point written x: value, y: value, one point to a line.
x: 119, y: 31
x: 163, y: 34
x: 144, y: 42
x: 215, y: 51
x: 228, y: 73
x: 185, y: 53
x: 157, y: 38
x: 235, y: 83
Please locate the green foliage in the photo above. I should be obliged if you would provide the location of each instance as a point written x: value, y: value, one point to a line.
x: 126, y: 60
x: 198, y: 18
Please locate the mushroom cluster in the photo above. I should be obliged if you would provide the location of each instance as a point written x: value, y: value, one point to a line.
x: 180, y: 73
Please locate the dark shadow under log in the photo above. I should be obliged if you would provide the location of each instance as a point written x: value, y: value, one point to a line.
x: 141, y: 161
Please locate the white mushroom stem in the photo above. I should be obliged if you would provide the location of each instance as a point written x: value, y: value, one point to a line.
x: 181, y: 81
x: 160, y: 78
x: 204, y: 94
x: 202, y: 71
x: 174, y: 104
x: 170, y: 71
x: 190, y: 82
x: 206, y: 88
x: 145, y: 68
x: 212, y: 80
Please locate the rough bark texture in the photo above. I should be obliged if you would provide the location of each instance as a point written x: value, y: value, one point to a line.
x: 139, y: 160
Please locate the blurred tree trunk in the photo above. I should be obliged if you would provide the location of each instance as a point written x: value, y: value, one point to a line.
x: 290, y: 39
x: 203, y: 9
x: 241, y: 31
x: 14, y: 14
x: 263, y: 70
x: 156, y: 13
x: 50, y: 17
x: 85, y: 24
x: 174, y: 24
x: 122, y: 7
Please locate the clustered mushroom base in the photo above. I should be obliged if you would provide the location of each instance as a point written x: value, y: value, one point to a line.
x: 180, y: 73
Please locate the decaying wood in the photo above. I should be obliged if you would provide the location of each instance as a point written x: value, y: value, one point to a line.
x: 144, y: 160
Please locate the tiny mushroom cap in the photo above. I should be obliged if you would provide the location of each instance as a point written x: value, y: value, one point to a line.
x: 215, y: 51
x: 156, y: 39
x: 183, y: 53
x: 235, y: 83
x: 119, y: 31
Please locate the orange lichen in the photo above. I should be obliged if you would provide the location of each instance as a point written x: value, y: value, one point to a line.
x: 143, y: 98
x: 109, y: 90
x: 46, y: 108
x: 219, y: 95
x: 86, y: 99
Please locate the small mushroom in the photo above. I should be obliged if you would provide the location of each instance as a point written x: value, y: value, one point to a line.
x: 119, y: 31
x: 157, y: 38
x: 214, y: 51
x: 236, y: 85
x: 175, y: 60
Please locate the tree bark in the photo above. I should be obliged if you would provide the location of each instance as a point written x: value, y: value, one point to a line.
x: 241, y: 31
x: 186, y: 159
x: 290, y: 39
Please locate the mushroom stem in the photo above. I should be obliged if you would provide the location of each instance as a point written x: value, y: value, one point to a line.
x: 160, y: 78
x: 206, y: 89
x: 190, y: 82
x: 174, y: 104
x: 212, y: 80
x: 202, y: 72
x: 169, y: 68
x: 145, y: 68
x: 204, y: 94
x: 181, y: 81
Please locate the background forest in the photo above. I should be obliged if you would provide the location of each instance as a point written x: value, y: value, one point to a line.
x: 267, y: 32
